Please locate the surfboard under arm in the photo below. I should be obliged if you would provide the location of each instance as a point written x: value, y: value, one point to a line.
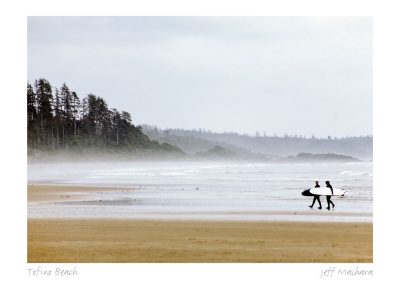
x: 324, y: 191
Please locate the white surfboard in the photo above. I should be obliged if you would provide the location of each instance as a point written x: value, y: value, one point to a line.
x: 324, y: 191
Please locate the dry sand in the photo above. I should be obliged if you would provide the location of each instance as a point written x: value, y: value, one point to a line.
x: 115, y: 241
x: 119, y: 240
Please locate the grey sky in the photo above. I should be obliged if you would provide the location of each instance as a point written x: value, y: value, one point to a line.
x: 295, y: 75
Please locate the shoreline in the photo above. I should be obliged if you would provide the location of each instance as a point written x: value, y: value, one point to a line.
x: 120, y: 240
x: 80, y: 201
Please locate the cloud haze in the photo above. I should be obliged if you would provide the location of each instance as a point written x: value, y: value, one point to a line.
x: 295, y: 75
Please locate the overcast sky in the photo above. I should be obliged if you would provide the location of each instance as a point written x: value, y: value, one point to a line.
x: 295, y: 75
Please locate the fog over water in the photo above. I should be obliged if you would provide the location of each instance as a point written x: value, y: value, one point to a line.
x: 207, y: 190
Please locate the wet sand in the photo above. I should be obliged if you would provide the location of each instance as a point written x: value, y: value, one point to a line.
x: 125, y: 240
x: 51, y: 192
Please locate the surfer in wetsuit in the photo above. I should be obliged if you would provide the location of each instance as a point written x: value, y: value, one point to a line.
x: 316, y: 198
x: 328, y: 198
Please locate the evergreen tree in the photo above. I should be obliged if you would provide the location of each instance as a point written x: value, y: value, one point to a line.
x: 75, y: 112
x: 116, y: 122
x: 67, y: 115
x: 58, y: 116
x: 45, y: 114
x: 32, y: 116
x: 32, y: 112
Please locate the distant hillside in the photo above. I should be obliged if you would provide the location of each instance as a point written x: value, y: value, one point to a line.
x: 218, y: 152
x: 193, y: 141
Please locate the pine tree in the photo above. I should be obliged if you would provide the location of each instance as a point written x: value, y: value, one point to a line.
x: 67, y: 118
x: 116, y: 122
x: 45, y: 114
x: 32, y: 116
x: 91, y: 116
x: 57, y: 116
x: 75, y: 112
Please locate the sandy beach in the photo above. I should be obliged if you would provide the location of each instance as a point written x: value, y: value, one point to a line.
x: 51, y: 192
x: 192, y: 241
x: 124, y: 240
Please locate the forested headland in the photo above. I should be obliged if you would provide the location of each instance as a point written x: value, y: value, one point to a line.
x: 61, y: 124
x: 59, y: 121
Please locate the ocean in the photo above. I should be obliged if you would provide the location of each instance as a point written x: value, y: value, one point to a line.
x: 195, y: 190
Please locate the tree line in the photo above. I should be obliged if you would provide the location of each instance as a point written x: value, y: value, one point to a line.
x: 59, y: 120
x: 192, y: 141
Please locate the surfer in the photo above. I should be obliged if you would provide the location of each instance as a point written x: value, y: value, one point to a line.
x: 316, y: 198
x: 328, y: 198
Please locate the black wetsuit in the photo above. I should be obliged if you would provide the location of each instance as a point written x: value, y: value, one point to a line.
x: 316, y: 198
x: 328, y: 198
